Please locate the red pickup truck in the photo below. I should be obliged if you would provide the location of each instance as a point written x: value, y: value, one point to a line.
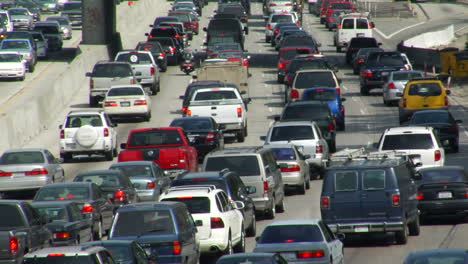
x: 166, y: 146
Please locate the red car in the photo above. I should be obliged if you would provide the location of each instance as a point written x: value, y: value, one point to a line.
x: 166, y: 146
x: 286, y: 55
x: 337, y: 5
x: 324, y: 7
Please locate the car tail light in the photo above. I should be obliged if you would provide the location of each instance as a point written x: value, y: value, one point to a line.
x: 288, y: 79
x: 272, y: 4
x: 189, y: 112
x: 184, y: 109
x: 294, y: 94
x: 171, y: 50
x: 332, y: 20
x: 404, y: 102
x: 62, y: 134
x: 331, y: 127
x: 396, y: 200
x: 325, y: 202
x: 62, y: 235
x: 370, y: 26
x: 239, y: 112
x: 391, y: 86
x: 5, y: 174
x: 291, y: 168
x: 14, y: 245
x: 39, y: 171
x: 266, y: 188
x: 120, y: 196
x: 210, y: 137
x: 150, y: 185
x: 140, y: 102
x: 437, y: 155
x: 177, y: 248
x: 288, y: 4
x: 269, y: 27
x: 310, y: 254
x: 153, y: 71
x: 110, y: 104
x: 106, y: 132
x: 177, y: 36
x: 182, y: 156
x: 246, y: 63
x: 91, y: 84
x: 319, y: 149
x: 446, y: 101
x: 339, y: 27
x: 216, y: 222
x: 56, y: 255
x: 368, y: 74
x: 453, y: 129
x: 466, y: 193
x: 420, y: 196
x: 87, y: 209
x: 162, y: 55
x: 360, y: 61
x: 282, y: 66
x: 150, y: 36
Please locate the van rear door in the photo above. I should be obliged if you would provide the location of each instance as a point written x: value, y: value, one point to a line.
x: 376, y: 201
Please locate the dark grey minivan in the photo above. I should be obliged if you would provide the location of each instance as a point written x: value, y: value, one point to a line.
x: 371, y: 195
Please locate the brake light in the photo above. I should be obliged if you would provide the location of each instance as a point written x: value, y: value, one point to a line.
x: 276, y: 31
x: 266, y: 188
x: 367, y: 74
x: 177, y: 248
x: 239, y: 111
x: 437, y: 155
x: 282, y: 66
x: 182, y: 156
x: 288, y: 4
x: 172, y: 50
x: 339, y: 26
x: 466, y: 193
x: 56, y: 255
x: 269, y: 27
x: 110, y: 104
x: 120, y: 196
x: 332, y: 20
x: 396, y: 200
x: 62, y: 134
x: 291, y: 168
x: 391, y: 86
x: 246, y: 63
x: 294, y: 94
x: 453, y: 129
x: 325, y: 202
x: 140, y: 102
x: 370, y: 26
x: 153, y: 71
x: 150, y: 185
x: 338, y: 91
x: 14, y: 245
x: 177, y: 36
x: 62, y: 235
x: 272, y: 4
x: 288, y: 79
x: 162, y: 55
x: 404, y: 102
x: 189, y: 112
x: 216, y: 222
x: 91, y: 84
x: 210, y: 137
x: 87, y: 209
x: 133, y: 81
x: 199, y: 180
x: 446, y: 101
x: 184, y: 109
x: 420, y: 196
x: 39, y: 171
x: 360, y: 61
x: 106, y: 132
x: 319, y: 149
x: 331, y: 127
x: 310, y: 254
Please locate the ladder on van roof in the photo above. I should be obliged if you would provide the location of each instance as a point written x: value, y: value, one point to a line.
x: 363, y: 154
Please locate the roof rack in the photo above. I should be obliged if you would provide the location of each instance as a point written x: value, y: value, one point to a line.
x: 209, y: 188
x: 362, y: 154
x: 366, y: 14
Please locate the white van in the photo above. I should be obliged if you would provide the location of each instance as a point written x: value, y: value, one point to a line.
x: 352, y: 25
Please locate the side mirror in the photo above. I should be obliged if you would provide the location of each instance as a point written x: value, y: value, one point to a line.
x: 418, y: 164
x: 262, y: 138
x: 247, y: 51
x: 417, y: 176
x: 307, y: 156
x: 123, y: 145
x: 340, y: 236
x: 448, y: 92
x: 276, y: 118
x: 319, y: 44
x: 340, y: 81
x: 238, y: 205
x: 181, y: 97
x: 257, y: 238
x: 343, y: 99
x: 250, y: 189
x: 222, y: 126
x: 150, y: 26
x: 88, y: 74
x: 60, y: 126
x: 458, y: 121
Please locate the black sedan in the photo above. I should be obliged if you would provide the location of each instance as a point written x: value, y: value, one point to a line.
x: 114, y: 184
x: 203, y: 132
x: 442, y: 191
x: 443, y: 123
x: 68, y: 225
x: 125, y: 251
x: 93, y: 203
x: 442, y: 255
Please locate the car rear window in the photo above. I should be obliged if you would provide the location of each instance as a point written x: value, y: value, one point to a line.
x: 306, y: 112
x: 200, y: 181
x: 286, y: 133
x: 407, y: 141
x: 281, y: 19
x: 78, y: 121
x: 11, y: 217
x: 182, y: 17
x: 155, y: 137
x: 347, y: 24
x: 440, y: 257
x: 446, y: 175
x: 308, y: 63
x: 112, y: 70
x: 62, y: 193
x: 290, y: 54
x: 141, y: 222
x: 165, y: 42
x: 192, y: 124
x: 61, y: 260
x: 432, y: 118
x: 135, y: 170
x: 341, y: 6
x: 284, y: 153
x: 243, y: 165
x: 26, y: 157
x: 99, y: 180
x: 291, y: 234
x: 362, y: 23
x: 319, y: 79
x: 54, y: 213
x: 373, y: 180
x: 386, y: 59
x: 135, y: 58
x: 214, y: 95
x: 292, y: 41
x: 346, y: 181
x: 126, y: 91
x: 425, y: 89
x: 320, y: 95
x: 13, y: 44
x: 195, y: 205
x: 154, y: 48
x: 363, y: 42
x: 71, y: 6
x: 47, y: 29
x: 406, y: 76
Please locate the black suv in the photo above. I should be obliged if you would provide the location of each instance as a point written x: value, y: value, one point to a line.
x: 303, y: 62
x: 231, y: 183
x: 157, y: 50
x: 171, y: 47
x: 365, y: 193
x: 357, y: 43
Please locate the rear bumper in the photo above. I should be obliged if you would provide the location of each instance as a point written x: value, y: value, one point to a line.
x: 441, y: 207
x: 293, y: 178
x: 262, y: 204
x: 24, y: 183
x: 232, y: 127
x: 372, y: 227
x: 170, y: 259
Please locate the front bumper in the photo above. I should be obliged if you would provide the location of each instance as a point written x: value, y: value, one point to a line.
x: 367, y: 227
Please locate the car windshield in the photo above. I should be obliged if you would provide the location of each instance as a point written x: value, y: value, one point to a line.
x: 23, y: 157
x: 60, y: 260
x: 432, y: 118
x: 63, y: 193
x: 289, y: 54
x: 320, y: 95
x: 223, y: 26
x: 18, y: 12
x: 407, y: 141
x: 193, y: 124
x: 126, y: 91
x: 10, y: 58
x: 141, y: 222
x: 443, y: 176
x: 54, y: 213
x: 281, y: 19
x: 306, y: 112
x: 165, y: 41
x: 112, y: 70
x: 291, y: 234
x: 135, y: 58
x: 155, y: 137
x: 15, y: 44
x: 79, y: 121
x: 406, y: 76
x: 243, y: 165
x: 365, y: 51
x: 100, y: 180
x: 319, y: 79
x: 11, y: 217
x: 284, y: 153
x: 195, y: 205
x: 385, y: 59
x: 286, y: 133
x: 47, y: 29
x: 182, y: 17
x: 71, y: 6
x: 425, y: 89
x: 214, y: 95
x: 135, y: 170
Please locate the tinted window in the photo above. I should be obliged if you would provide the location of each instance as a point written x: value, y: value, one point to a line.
x: 62, y: 193
x: 289, y: 54
x: 314, y: 79
x: 61, y: 260
x: 112, y: 70
x: 298, y: 41
x: 309, y: 64
x: 362, y: 23
x: 165, y: 42
x: 100, y: 180
x: 195, y: 205
x: 425, y: 89
x: 281, y: 19
x: 135, y: 58
x: 143, y: 222
x: 306, y: 112
x: 243, y: 165
x: 47, y: 29
x: 155, y: 137
x: 408, y: 141
x: 366, y: 51
x: 54, y: 213
x: 373, y: 180
x: 348, y: 24
x: 405, y: 76
x: 285, y: 133
x: 154, y: 48
x: 214, y: 95
x: 182, y: 17
x: 11, y: 217
x: 432, y: 117
x: 22, y: 158
x: 446, y: 175
x: 193, y: 124
x: 71, y: 6
x: 291, y: 234
x: 341, y: 6
x: 284, y: 153
x: 346, y: 181
x: 249, y: 260
x: 387, y: 59
x: 363, y: 42
x: 125, y: 91
x: 78, y: 121
x: 320, y: 95
x: 135, y: 170
x: 15, y: 44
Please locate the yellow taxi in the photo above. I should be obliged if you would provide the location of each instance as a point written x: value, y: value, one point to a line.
x: 422, y: 94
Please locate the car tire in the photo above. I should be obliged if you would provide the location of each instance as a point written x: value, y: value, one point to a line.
x: 271, y: 213
x: 240, y: 136
x: 364, y: 90
x: 280, y: 208
x: 302, y: 189
x: 147, y: 117
x: 115, y: 152
x: 252, y: 230
x: 229, y: 249
x: 163, y: 68
x: 401, y: 237
x: 109, y: 155
x: 341, y: 126
x: 267, y: 39
x: 21, y: 78
x: 31, y: 68
x: 386, y: 103
x: 454, y: 147
x: 93, y: 101
x: 280, y: 79
x: 97, y: 236
x: 154, y: 89
x: 240, y: 247
x: 355, y: 71
x: 414, y: 227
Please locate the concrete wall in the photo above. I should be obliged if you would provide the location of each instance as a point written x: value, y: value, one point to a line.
x: 432, y: 39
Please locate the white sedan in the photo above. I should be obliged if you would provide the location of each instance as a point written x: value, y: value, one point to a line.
x: 124, y: 101
x: 12, y: 65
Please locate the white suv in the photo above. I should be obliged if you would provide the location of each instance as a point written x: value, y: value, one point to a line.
x: 419, y: 142
x: 88, y: 132
x: 71, y: 254
x: 218, y: 220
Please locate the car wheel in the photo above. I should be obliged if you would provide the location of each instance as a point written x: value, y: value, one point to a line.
x: 164, y: 68
x: 229, y: 250
x: 280, y: 79
x: 115, y: 152
x: 271, y: 213
x: 147, y: 117
x: 93, y: 101
x: 355, y: 71
x: 455, y: 147
x: 240, y: 136
x: 109, y: 155
x: 98, y: 234
x: 240, y: 247
x: 252, y: 230
x: 414, y: 227
x: 21, y: 78
x: 401, y: 237
x: 280, y: 208
x: 308, y: 184
x: 364, y: 90
x: 31, y: 67
x: 302, y: 189
x: 267, y: 39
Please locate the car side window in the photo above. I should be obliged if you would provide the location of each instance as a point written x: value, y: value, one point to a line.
x: 108, y: 121
x: 218, y: 203
x: 326, y: 232
x: 106, y: 258
x: 50, y: 158
x: 76, y: 213
x: 181, y: 221
x: 225, y: 201
x: 31, y: 215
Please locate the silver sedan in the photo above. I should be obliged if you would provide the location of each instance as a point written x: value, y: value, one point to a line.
x: 395, y: 84
x: 29, y: 169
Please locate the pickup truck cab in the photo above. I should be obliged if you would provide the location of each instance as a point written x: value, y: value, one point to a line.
x: 225, y: 105
x: 166, y: 146
x: 352, y: 25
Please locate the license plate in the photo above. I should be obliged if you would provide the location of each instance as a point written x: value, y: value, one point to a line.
x: 360, y: 35
x: 444, y: 195
x: 71, y: 145
x: 125, y: 104
x: 361, y: 229
x: 385, y: 73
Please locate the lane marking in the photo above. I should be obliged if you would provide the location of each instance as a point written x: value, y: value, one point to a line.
x: 398, y: 31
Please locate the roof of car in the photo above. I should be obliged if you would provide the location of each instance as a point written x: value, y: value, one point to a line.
x: 100, y: 172
x: 235, y: 150
x: 407, y: 130
x: 132, y: 163
x: 67, y: 251
x: 421, y: 253
x: 306, y: 103
x: 112, y: 242
x: 127, y: 86
x: 295, y: 222
x: 67, y: 184
x: 276, y: 145
x: 24, y: 150
x: 287, y: 123
x: 189, y: 191
x: 431, y: 112
x: 187, y: 118
x: 144, y: 206
x: 85, y: 112
x: 196, y: 175
x: 314, y: 70
x: 62, y: 203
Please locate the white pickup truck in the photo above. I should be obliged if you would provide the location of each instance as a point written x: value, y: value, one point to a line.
x: 225, y: 105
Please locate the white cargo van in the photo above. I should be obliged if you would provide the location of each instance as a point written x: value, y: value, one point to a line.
x: 352, y: 25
